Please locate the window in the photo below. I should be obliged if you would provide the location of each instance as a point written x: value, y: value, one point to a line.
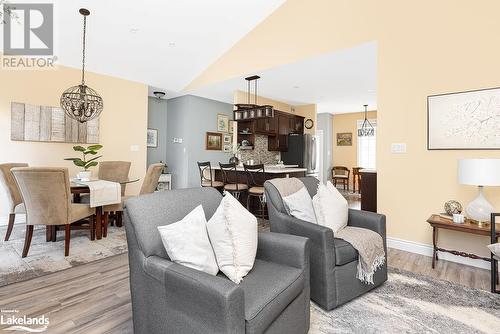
x: 367, y: 147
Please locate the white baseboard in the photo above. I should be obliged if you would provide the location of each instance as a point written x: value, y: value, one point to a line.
x: 424, y: 249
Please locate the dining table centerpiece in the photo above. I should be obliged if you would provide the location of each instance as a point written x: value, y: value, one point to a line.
x: 85, y: 163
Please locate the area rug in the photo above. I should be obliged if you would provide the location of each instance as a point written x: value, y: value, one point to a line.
x: 47, y: 257
x: 412, y: 303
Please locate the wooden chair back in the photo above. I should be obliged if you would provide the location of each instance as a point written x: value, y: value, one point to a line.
x: 252, y: 172
x: 229, y: 174
x: 205, y: 168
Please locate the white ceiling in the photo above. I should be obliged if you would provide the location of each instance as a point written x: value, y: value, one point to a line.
x: 163, y: 43
x: 338, y: 82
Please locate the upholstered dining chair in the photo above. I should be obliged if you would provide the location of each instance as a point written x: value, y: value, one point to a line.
x: 341, y: 173
x: 231, y: 180
x: 148, y: 186
x: 47, y: 198
x: 206, y: 176
x: 256, y: 187
x: 14, y: 199
x: 115, y: 171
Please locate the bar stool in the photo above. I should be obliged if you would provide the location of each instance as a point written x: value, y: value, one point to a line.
x: 230, y: 179
x: 256, y: 189
x: 205, y: 168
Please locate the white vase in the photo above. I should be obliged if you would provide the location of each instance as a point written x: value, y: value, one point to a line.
x: 84, y: 175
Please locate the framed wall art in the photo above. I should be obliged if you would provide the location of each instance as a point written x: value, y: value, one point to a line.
x: 213, y: 141
x: 344, y: 139
x: 467, y: 120
x: 152, y: 138
x: 222, y: 123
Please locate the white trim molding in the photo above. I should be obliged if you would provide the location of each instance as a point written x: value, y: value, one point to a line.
x: 424, y: 249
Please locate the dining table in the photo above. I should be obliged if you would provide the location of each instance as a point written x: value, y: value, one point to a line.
x: 78, y: 189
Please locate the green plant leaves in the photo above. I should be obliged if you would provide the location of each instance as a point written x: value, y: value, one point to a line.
x: 94, y: 159
x: 94, y: 147
x: 79, y: 148
x: 90, y: 164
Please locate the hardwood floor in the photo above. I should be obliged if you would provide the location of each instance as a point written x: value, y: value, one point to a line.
x: 95, y: 297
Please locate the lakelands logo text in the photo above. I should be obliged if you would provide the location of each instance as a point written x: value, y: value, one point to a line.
x: 28, y: 35
x: 17, y: 322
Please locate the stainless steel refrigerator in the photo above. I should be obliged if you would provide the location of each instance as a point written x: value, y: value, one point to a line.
x: 304, y: 151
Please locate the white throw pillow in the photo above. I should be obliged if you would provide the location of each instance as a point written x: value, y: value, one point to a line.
x: 299, y: 205
x: 330, y: 207
x: 495, y: 249
x: 233, y: 233
x: 187, y: 243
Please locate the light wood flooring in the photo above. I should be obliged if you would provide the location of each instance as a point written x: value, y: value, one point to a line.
x: 95, y: 297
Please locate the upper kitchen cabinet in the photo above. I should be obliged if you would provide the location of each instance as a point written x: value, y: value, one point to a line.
x: 265, y: 126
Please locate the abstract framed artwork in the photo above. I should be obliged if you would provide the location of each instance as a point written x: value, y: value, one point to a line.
x: 222, y: 123
x: 213, y: 141
x: 152, y: 138
x: 344, y: 139
x: 467, y: 120
x: 49, y: 124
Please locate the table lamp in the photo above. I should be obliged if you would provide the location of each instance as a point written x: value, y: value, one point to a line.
x: 481, y: 173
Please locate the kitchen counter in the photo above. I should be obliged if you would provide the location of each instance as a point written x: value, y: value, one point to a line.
x: 272, y: 169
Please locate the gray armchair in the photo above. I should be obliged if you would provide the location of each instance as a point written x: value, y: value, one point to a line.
x: 333, y: 261
x: 171, y: 298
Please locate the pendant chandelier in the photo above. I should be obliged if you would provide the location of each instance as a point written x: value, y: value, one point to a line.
x: 82, y: 102
x: 367, y: 129
x: 252, y: 110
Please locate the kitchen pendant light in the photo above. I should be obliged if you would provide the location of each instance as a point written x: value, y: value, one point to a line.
x: 252, y: 110
x: 367, y: 129
x: 82, y: 102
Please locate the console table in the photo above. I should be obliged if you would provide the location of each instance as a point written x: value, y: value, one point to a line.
x: 437, y: 222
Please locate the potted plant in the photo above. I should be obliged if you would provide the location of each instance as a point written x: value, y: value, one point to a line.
x: 235, y: 151
x: 84, y: 163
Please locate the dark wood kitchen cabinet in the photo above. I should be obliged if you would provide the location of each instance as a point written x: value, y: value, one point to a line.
x: 265, y: 126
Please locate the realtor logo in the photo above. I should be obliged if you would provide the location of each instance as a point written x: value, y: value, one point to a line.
x: 28, y: 29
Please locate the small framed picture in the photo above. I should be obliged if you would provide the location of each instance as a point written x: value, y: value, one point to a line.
x: 213, y: 141
x: 222, y: 123
x: 227, y: 138
x: 152, y: 138
x: 231, y: 126
x: 344, y: 139
x: 226, y: 148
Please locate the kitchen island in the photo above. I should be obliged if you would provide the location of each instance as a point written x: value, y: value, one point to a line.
x: 270, y: 172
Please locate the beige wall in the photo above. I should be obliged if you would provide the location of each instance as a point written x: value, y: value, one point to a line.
x: 424, y: 47
x: 307, y: 110
x: 123, y: 121
x: 347, y: 155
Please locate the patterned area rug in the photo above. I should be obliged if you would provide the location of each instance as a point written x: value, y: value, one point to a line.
x: 411, y: 303
x: 47, y: 257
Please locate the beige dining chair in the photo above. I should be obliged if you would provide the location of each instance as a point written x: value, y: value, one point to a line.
x: 148, y: 186
x: 115, y: 171
x: 47, y: 198
x: 14, y: 199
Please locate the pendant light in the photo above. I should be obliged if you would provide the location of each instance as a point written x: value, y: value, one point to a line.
x: 367, y: 129
x: 82, y: 102
x: 252, y: 110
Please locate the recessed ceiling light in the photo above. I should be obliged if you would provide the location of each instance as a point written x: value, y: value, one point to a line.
x: 371, y: 91
x: 134, y: 30
x: 171, y: 44
x: 296, y: 87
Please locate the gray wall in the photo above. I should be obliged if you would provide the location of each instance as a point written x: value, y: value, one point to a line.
x: 325, y: 123
x: 157, y: 119
x: 189, y: 118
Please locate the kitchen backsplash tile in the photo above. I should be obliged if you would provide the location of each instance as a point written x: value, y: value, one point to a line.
x: 260, y: 154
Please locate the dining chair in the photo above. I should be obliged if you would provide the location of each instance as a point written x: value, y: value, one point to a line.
x: 115, y: 171
x: 356, y: 179
x: 14, y: 199
x: 230, y: 177
x: 206, y: 176
x: 148, y: 186
x: 341, y: 173
x: 256, y: 187
x: 47, y: 198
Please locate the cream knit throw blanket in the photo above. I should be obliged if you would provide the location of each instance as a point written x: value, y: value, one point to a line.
x: 369, y: 244
x: 370, y: 247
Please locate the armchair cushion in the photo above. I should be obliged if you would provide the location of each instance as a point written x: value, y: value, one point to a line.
x: 344, y: 252
x: 269, y: 288
x: 331, y: 207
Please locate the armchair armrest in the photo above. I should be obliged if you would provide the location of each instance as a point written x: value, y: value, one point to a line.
x: 369, y: 220
x: 212, y: 303
x: 284, y: 249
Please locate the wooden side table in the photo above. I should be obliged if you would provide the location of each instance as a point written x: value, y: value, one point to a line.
x: 437, y: 222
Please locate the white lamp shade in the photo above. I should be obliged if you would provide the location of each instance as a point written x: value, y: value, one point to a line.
x: 479, y: 172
